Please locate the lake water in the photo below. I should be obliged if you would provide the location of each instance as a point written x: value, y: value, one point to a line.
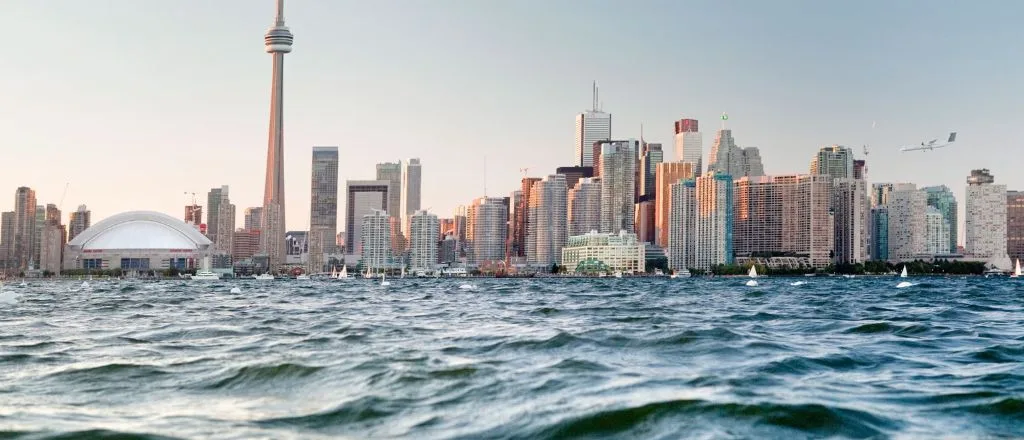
x: 518, y: 359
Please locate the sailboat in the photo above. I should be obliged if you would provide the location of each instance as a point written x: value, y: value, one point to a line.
x: 403, y: 272
x: 343, y: 275
x: 383, y: 279
x: 904, y: 273
x: 1016, y: 270
x: 903, y: 284
x: 752, y: 274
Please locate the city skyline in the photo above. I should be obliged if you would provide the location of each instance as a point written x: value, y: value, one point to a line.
x: 899, y: 86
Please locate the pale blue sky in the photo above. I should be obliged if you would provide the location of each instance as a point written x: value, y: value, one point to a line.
x: 136, y: 102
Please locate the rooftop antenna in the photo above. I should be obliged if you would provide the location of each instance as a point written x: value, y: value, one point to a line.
x: 642, y: 143
x: 595, y: 108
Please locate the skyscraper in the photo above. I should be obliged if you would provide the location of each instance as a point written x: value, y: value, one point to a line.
x: 486, y: 226
x: 583, y: 205
x: 547, y: 227
x: 24, y: 226
x: 618, y: 185
x: 375, y: 239
x: 880, y: 233
x: 323, y: 206
x: 1015, y: 224
x: 985, y: 222
x: 521, y: 221
x: 666, y: 175
x: 852, y: 214
x: 213, y: 199
x: 392, y: 173
x: 224, y: 237
x: 713, y: 220
x: 835, y: 161
x: 725, y: 157
x: 787, y: 214
x: 689, y: 144
x: 80, y: 221
x: 364, y: 198
x: 278, y: 41
x: 944, y: 201
x: 757, y: 216
x: 54, y: 237
x: 591, y: 126
x: 412, y: 176
x: 423, y: 236
x: 193, y: 215
x: 254, y: 218
x: 908, y: 229
x: 750, y: 158
x: 574, y: 174
x: 682, y: 225
x: 650, y: 156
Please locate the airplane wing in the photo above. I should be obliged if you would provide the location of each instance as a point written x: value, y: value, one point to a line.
x: 921, y: 148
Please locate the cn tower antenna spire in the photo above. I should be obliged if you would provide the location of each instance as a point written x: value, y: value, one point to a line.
x: 279, y: 18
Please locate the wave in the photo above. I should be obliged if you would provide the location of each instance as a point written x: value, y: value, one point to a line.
x: 814, y: 419
x: 93, y: 434
x: 361, y: 410
x: 264, y: 374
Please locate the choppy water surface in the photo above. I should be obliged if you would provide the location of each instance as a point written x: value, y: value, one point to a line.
x: 645, y: 358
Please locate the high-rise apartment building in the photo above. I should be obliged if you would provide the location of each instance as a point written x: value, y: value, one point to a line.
x: 714, y: 215
x: 985, y: 222
x: 944, y: 201
x: 1015, y: 224
x: 37, y: 239
x: 246, y: 243
x: 221, y: 218
x: 574, y: 174
x: 424, y: 229
x: 278, y: 41
x: 644, y: 213
x: 521, y: 222
x: 584, y: 207
x: 682, y: 229
x: 937, y: 232
x: 53, y: 239
x: 412, y: 178
x: 7, y: 257
x: 591, y: 126
x: 364, y: 197
x: 650, y: 156
x: 908, y: 229
x: 80, y: 220
x: 689, y: 144
x: 880, y: 193
x: 618, y: 185
x: 852, y: 210
x: 667, y: 174
x: 486, y: 220
x: 788, y: 215
x: 193, y: 215
x: 254, y: 218
x: 323, y: 206
x: 835, y: 161
x: 24, y: 226
x: 392, y: 173
x: 375, y: 239
x: 547, y: 226
x: 860, y: 169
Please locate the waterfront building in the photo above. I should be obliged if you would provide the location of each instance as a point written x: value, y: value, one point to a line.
x: 714, y: 216
x: 375, y: 230
x: 682, y: 225
x: 1015, y: 224
x: 584, y: 206
x: 424, y: 229
x: 363, y: 197
x: 880, y: 233
x: 666, y: 175
x: 137, y: 241
x: 985, y: 221
x: 784, y: 215
x: 596, y: 252
x: 852, y: 211
x: 937, y: 235
x: 618, y: 185
x: 486, y: 226
x: 547, y: 227
x: 942, y: 198
x: 7, y: 258
x: 246, y: 244
x: 907, y: 235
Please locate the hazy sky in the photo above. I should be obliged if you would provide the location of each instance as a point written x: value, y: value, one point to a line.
x: 137, y: 102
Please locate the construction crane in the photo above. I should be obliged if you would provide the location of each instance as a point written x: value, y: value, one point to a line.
x: 524, y: 171
x: 64, y: 194
x: 930, y: 145
x: 192, y: 208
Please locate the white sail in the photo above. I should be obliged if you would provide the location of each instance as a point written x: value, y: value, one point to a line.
x: 344, y: 272
x: 1016, y: 270
x: 753, y: 272
x: 904, y: 273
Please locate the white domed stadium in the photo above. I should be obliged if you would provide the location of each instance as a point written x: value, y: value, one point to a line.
x: 137, y: 241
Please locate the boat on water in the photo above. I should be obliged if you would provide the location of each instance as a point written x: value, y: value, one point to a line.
x: 204, y: 274
x: 1016, y: 270
x: 264, y: 277
x: 681, y: 274
x: 752, y: 274
x: 903, y: 274
x: 618, y: 274
x: 302, y: 277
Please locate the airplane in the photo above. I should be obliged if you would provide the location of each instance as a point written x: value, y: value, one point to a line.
x: 930, y: 145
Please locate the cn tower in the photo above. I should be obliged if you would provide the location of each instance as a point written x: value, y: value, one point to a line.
x: 278, y: 42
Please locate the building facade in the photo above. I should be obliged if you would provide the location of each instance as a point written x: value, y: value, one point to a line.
x: 942, y: 198
x: 424, y: 230
x: 24, y: 227
x: 548, y: 217
x: 391, y: 172
x: 1015, y: 224
x: 375, y: 237
x: 725, y: 157
x: 689, y: 144
x: 412, y: 189
x: 7, y: 256
x: 323, y: 206
x: 486, y: 220
x: 81, y: 219
x: 937, y: 235
x: 650, y: 156
x: 591, y: 126
x: 254, y: 218
x: 666, y: 175
x: 985, y: 221
x: 584, y: 207
x: 852, y: 211
x: 618, y: 185
x: 596, y: 252
x: 364, y: 197
x: 714, y: 216
x: 682, y: 225
x: 751, y: 160
x: 908, y: 228
x: 521, y: 222
x: 835, y: 161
